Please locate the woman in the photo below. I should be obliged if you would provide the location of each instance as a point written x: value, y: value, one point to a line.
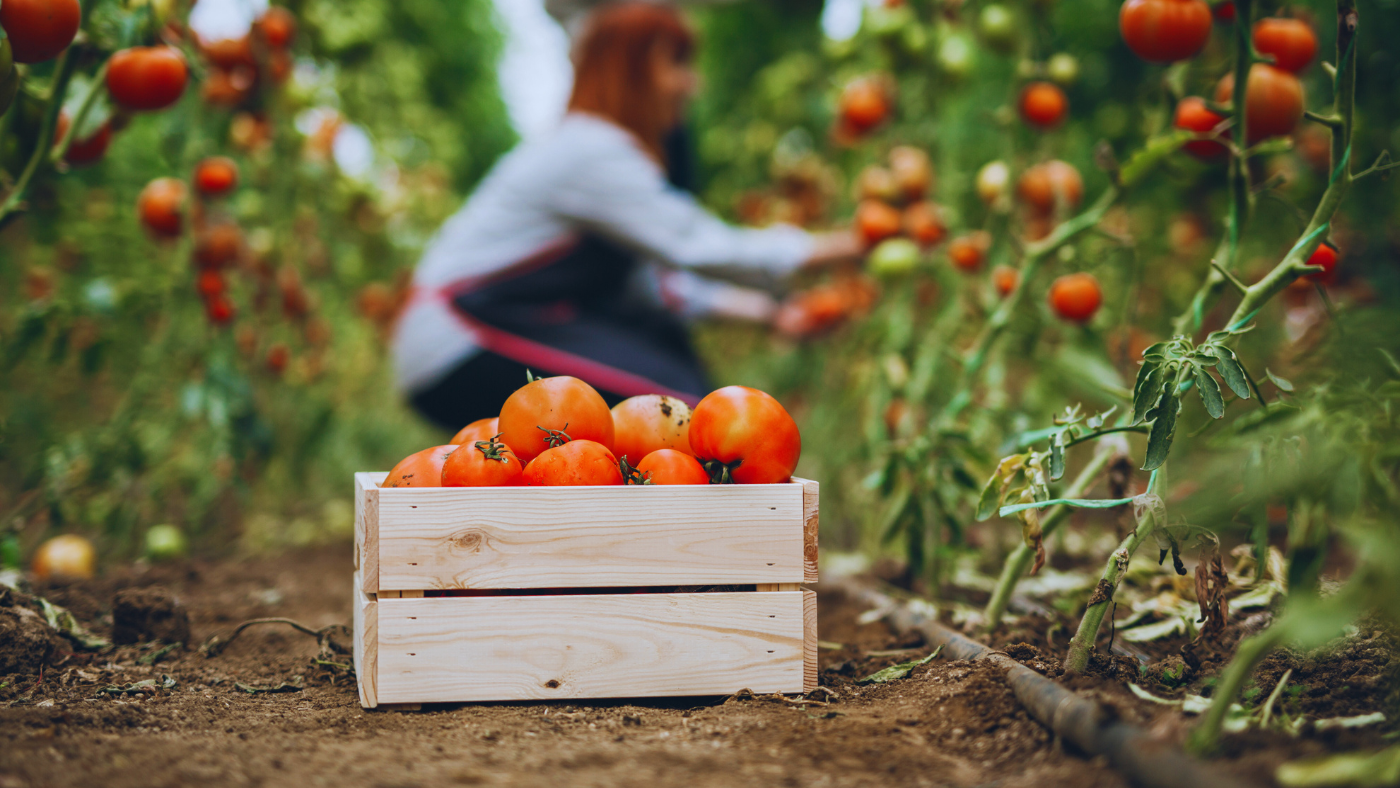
x: 548, y: 265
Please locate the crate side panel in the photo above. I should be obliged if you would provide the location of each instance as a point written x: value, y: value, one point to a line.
x: 366, y: 645
x: 587, y: 537
x: 811, y: 505
x: 367, y: 493
x: 448, y: 649
x: 809, y: 640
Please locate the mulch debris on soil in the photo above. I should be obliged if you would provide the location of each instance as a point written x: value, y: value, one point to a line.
x: 277, y: 707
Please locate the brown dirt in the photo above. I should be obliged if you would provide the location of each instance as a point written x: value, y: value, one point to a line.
x: 82, y: 723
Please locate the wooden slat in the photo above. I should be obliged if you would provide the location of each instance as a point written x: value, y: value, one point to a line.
x: 586, y: 537
x: 367, y: 529
x: 366, y: 648
x: 463, y: 649
x: 811, y: 500
x: 809, y: 640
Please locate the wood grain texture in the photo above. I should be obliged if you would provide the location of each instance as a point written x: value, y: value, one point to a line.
x: 809, y: 640
x: 366, y: 648
x: 811, y: 505
x: 585, y: 537
x: 367, y: 529
x: 464, y: 649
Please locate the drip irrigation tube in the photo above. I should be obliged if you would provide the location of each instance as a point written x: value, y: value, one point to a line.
x: 1083, y: 722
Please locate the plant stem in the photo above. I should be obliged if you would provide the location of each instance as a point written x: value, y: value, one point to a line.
x: 98, y: 86
x: 1294, y: 264
x: 63, y: 71
x: 1020, y: 558
x: 1035, y: 253
x: 1250, y: 652
x: 1082, y: 645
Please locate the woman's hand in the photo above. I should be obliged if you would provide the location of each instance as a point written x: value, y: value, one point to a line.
x: 834, y: 247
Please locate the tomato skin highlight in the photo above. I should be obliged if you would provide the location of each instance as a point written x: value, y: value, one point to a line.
x: 1291, y: 41
x: 579, y: 463
x: 668, y: 466
x: 1192, y: 115
x: 1076, y: 297
x: 650, y: 423
x: 479, y: 430
x: 483, y: 464
x: 564, y: 404
x: 1164, y: 31
x: 748, y: 431
x: 420, y: 469
x: 40, y: 29
x: 147, y: 78
x: 1273, y: 101
x: 1044, y: 105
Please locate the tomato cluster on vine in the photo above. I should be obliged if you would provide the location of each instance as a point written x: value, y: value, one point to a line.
x: 559, y: 432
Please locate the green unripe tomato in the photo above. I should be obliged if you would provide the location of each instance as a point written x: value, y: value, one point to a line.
x: 997, y: 25
x: 895, y: 257
x: 9, y: 552
x: 164, y: 542
x: 1063, y: 68
x: 955, y: 55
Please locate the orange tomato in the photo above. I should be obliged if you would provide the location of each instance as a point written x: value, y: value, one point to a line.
x: 69, y: 556
x: 147, y: 78
x: 278, y: 27
x: 876, y: 221
x: 1043, y: 186
x: 420, y: 469
x: 912, y: 171
x: 561, y: 404
x: 864, y: 104
x: 161, y: 206
x: 923, y: 221
x: 968, y: 251
x: 215, y: 175
x: 86, y: 150
x: 218, y: 245
x: 1076, y: 297
x: 483, y: 463
x: 1005, y: 278
x: 1044, y: 105
x: 1273, y: 101
x: 668, y: 466
x: 649, y: 423
x: 39, y: 29
x: 745, y: 436
x: 1192, y: 115
x: 573, y: 464
x: 1291, y: 41
x: 1163, y: 31
x: 479, y: 430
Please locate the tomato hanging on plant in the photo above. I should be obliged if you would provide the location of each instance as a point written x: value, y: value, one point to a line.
x: 745, y: 436
x: 1044, y: 105
x: 215, y: 176
x: 1164, y: 31
x: 1326, y: 255
x: 161, y: 206
x: 1273, y: 102
x: 923, y: 221
x: 1044, y: 186
x: 85, y: 150
x: 1076, y: 297
x: 1004, y: 279
x: 1192, y: 115
x: 147, y: 78
x: 876, y: 221
x: 1291, y: 41
x: 968, y: 251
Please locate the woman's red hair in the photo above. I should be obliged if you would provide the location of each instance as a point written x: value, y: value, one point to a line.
x: 613, y: 74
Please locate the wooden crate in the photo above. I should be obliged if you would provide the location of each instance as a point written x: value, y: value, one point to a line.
x: 495, y: 594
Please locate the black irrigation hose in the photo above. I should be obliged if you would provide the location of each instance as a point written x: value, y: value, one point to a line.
x: 1082, y: 722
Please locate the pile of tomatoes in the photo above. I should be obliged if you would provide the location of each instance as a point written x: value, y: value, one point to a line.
x: 556, y: 432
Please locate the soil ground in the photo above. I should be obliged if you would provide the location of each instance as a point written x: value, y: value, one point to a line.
x: 948, y: 724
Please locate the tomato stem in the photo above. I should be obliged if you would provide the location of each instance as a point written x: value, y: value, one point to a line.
x: 493, y: 449
x: 555, y: 438
x: 63, y: 72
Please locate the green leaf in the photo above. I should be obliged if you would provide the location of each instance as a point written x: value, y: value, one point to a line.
x: 889, y: 526
x: 1057, y: 457
x: 1357, y: 769
x: 1152, y: 153
x: 991, y: 495
x: 1210, y: 393
x: 1278, y: 381
x: 1078, y: 503
x: 1149, y: 392
x: 1097, y: 420
x: 1231, y: 371
x: 1159, y: 441
x: 903, y: 669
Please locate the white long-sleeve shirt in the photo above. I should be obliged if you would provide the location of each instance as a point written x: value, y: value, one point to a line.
x: 590, y: 176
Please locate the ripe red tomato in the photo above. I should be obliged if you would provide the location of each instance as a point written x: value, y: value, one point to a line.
x: 161, y: 206
x: 215, y: 175
x: 277, y: 358
x: 668, y: 466
x: 573, y: 464
x: 1192, y: 115
x: 968, y: 251
x: 745, y: 436
x: 39, y: 29
x: 562, y: 404
x: 420, y: 469
x: 1273, y: 101
x: 87, y: 150
x: 210, y: 283
x: 479, y: 430
x: 220, y: 310
x: 1076, y: 297
x: 876, y: 221
x: 1005, y: 278
x: 1325, y: 255
x: 864, y: 104
x: 278, y: 27
x: 813, y: 311
x: 147, y: 78
x: 483, y: 463
x: 1163, y: 31
x: 218, y: 245
x: 649, y: 423
x: 911, y: 171
x: 1044, y: 185
x: 1044, y: 105
x: 1291, y: 41
x: 923, y: 221
x: 68, y: 555
x: 228, y: 52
